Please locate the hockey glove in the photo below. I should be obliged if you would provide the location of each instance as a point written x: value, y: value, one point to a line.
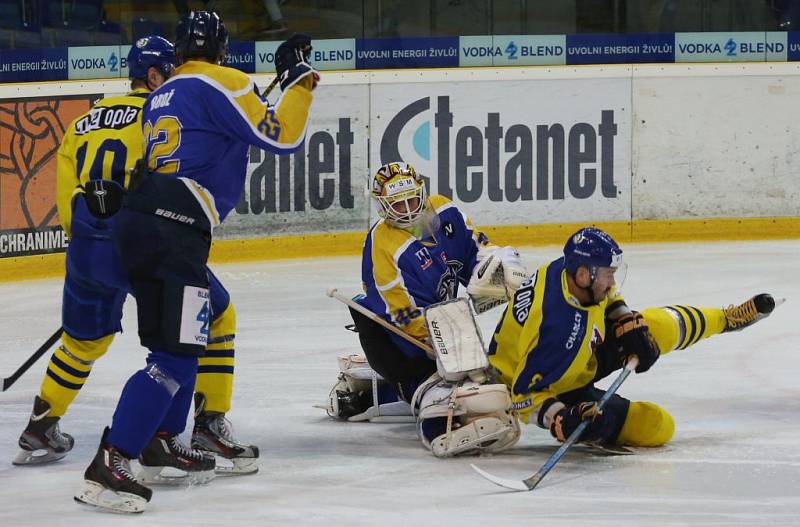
x: 496, y: 276
x: 138, y: 172
x: 292, y: 61
x: 103, y: 197
x: 568, y: 418
x: 634, y: 338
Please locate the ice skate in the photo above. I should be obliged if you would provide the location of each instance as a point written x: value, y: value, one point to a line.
x: 749, y: 312
x: 42, y: 441
x: 166, y: 460
x: 212, y: 434
x: 111, y: 485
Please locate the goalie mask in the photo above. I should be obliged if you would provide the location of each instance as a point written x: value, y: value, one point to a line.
x: 400, y: 194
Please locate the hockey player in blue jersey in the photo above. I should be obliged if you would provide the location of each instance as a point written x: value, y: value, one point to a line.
x: 419, y: 253
x: 97, y: 152
x: 198, y: 127
x: 569, y: 327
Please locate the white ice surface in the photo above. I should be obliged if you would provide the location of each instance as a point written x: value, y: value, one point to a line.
x: 734, y: 459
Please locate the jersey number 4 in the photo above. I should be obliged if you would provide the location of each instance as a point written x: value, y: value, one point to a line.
x: 162, y: 139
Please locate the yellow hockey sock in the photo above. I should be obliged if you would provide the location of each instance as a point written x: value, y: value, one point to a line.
x: 646, y: 424
x: 215, y: 369
x: 68, y: 369
x: 678, y: 327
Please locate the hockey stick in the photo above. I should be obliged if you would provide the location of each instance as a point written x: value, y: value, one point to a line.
x: 531, y: 482
x: 8, y: 381
x: 334, y: 293
x: 270, y: 87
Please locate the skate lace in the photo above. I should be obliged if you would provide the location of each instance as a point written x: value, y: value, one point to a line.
x: 741, y: 314
x: 223, y: 428
x: 121, y: 466
x: 178, y: 447
x: 55, y: 435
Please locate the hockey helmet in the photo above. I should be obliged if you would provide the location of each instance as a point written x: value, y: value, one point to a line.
x: 592, y: 248
x: 400, y: 194
x: 201, y: 34
x: 151, y: 52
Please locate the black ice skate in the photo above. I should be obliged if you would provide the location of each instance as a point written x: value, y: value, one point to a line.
x: 166, y: 460
x: 42, y: 441
x: 110, y: 484
x: 749, y: 312
x: 213, y: 435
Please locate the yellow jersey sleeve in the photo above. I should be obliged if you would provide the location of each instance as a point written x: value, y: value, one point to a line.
x: 66, y: 179
x: 388, y: 245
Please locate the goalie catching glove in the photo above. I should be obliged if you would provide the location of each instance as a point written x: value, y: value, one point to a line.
x: 634, y: 338
x: 496, y: 276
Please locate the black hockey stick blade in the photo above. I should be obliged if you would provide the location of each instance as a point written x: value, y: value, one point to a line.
x: 8, y: 381
x: 531, y: 482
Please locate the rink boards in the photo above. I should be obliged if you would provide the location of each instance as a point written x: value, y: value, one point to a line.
x: 651, y: 152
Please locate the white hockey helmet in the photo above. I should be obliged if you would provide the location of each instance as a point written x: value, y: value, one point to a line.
x: 400, y: 194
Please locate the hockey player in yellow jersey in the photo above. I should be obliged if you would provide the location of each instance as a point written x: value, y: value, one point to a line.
x: 103, y: 145
x: 569, y: 327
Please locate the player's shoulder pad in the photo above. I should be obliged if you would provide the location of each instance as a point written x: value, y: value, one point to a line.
x: 388, y: 239
x: 228, y: 79
x: 130, y: 99
x: 440, y: 203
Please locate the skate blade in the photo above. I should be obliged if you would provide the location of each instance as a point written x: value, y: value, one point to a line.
x: 36, y: 457
x: 240, y: 466
x: 95, y: 495
x: 172, y: 476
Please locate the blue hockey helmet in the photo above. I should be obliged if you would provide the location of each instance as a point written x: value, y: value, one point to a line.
x: 592, y: 248
x: 150, y: 52
x: 201, y: 34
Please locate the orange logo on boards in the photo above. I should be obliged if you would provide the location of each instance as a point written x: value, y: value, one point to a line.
x: 30, y: 133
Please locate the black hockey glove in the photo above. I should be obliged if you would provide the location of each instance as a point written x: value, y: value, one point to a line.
x: 634, y: 338
x: 292, y: 61
x: 138, y: 172
x: 601, y: 428
x: 103, y: 197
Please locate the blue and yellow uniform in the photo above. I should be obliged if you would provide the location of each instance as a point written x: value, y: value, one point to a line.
x: 104, y: 143
x: 199, y: 124
x: 401, y: 274
x: 198, y: 127
x: 549, y: 346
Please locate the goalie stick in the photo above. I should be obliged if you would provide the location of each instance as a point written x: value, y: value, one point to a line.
x: 531, y: 482
x: 334, y: 293
x: 8, y: 381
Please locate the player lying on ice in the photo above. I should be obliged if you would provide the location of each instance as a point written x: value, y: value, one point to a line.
x: 564, y: 329
x: 416, y: 255
x: 568, y: 327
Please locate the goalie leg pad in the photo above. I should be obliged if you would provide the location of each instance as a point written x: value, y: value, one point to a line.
x: 360, y: 394
x: 488, y: 434
x: 456, y: 339
x: 477, y: 418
